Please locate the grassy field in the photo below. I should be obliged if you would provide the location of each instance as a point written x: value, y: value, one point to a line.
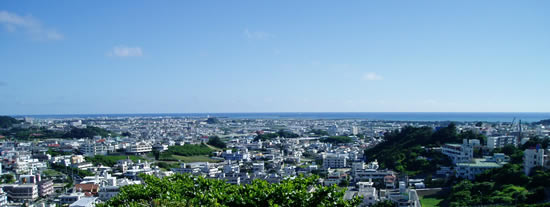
x: 197, y: 158
x: 111, y: 160
x: 429, y: 198
x: 430, y: 201
x: 51, y: 173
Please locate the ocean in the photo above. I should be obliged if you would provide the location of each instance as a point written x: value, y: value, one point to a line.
x: 384, y: 116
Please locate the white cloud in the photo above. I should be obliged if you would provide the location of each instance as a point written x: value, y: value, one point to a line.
x: 258, y: 35
x: 124, y: 51
x: 13, y: 22
x: 371, y: 76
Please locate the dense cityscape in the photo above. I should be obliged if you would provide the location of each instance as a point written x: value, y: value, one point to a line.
x: 247, y: 103
x: 89, y: 161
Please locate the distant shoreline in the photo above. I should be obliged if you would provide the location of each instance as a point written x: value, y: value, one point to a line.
x: 382, y: 116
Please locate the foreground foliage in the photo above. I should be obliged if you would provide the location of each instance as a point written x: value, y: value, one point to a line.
x: 188, y: 190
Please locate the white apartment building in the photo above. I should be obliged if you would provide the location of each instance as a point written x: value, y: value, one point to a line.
x: 91, y: 148
x: 532, y: 158
x: 334, y: 161
x: 475, y: 167
x: 368, y: 191
x: 501, y: 141
x: 459, y: 152
x: 22, y: 192
x: 258, y: 167
x: 139, y: 148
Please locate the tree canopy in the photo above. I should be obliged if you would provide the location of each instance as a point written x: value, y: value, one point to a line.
x: 216, y: 142
x: 212, y: 120
x: 402, y: 150
x: 185, y: 150
x: 188, y: 190
x: 337, y: 139
x: 7, y: 121
x: 280, y: 133
x: 88, y: 132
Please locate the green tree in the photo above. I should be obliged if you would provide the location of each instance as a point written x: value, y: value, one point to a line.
x: 7, y: 178
x: 7, y: 121
x: 337, y: 139
x: 188, y: 190
x: 212, y: 120
x: 385, y: 203
x: 216, y: 142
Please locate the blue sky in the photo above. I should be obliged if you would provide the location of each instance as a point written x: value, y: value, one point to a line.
x: 79, y: 57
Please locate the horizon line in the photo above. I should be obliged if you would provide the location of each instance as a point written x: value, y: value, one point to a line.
x: 206, y: 113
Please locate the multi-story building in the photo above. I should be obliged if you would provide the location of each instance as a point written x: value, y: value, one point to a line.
x: 469, y: 170
x: 334, y: 161
x: 242, y: 155
x: 368, y: 191
x: 258, y: 167
x: 91, y: 148
x: 70, y: 198
x: 107, y: 192
x: 459, y: 152
x: 501, y: 141
x: 45, y: 188
x: 139, y: 148
x: 85, y: 202
x: 22, y: 192
x: 3, y: 198
x: 534, y: 157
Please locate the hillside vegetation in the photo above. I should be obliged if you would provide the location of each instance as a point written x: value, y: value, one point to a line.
x: 403, y: 152
x: 7, y: 121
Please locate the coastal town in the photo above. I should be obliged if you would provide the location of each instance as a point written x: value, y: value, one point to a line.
x: 83, y: 162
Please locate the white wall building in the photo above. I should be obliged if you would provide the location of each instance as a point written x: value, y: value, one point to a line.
x: 459, y: 152
x: 139, y: 148
x: 469, y: 170
x: 501, y: 141
x: 532, y: 158
x: 334, y: 161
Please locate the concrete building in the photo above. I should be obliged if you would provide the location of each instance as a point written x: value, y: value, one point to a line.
x: 85, y: 202
x: 139, y: 148
x: 22, y: 192
x: 92, y: 148
x: 369, y: 193
x: 459, y: 152
x: 334, y: 161
x: 45, y: 188
x: 107, y: 192
x: 534, y: 157
x: 501, y: 141
x: 469, y: 170
x: 3, y: 198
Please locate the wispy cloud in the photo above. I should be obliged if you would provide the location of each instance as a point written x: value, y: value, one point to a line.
x: 372, y: 76
x: 124, y: 51
x: 28, y: 24
x: 258, y: 35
